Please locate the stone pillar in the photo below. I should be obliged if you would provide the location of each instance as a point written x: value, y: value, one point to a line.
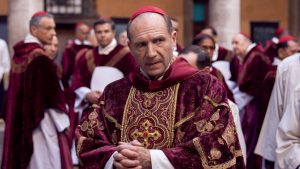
x: 188, y: 22
x: 19, y: 15
x: 294, y: 17
x: 224, y: 16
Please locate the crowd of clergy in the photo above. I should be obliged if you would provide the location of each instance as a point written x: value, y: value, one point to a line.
x: 261, y: 81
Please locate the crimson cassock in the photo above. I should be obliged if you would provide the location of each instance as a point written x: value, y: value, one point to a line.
x: 271, y: 50
x: 251, y: 74
x: 34, y: 87
x: 68, y: 60
x: 267, y: 85
x: 185, y: 115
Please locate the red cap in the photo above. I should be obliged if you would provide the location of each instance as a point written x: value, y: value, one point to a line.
x: 286, y: 38
x: 279, y: 31
x: 145, y: 9
x: 245, y: 35
x: 78, y: 24
x: 40, y: 13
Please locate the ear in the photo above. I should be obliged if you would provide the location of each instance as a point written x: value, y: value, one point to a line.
x: 280, y: 53
x: 174, y: 36
x: 34, y: 30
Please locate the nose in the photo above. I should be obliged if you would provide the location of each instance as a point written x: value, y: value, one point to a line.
x: 151, y: 51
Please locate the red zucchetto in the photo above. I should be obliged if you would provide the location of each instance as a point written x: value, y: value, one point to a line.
x: 286, y: 38
x: 245, y: 35
x: 39, y: 13
x: 145, y: 9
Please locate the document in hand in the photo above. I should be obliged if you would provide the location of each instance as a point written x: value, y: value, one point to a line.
x: 104, y: 75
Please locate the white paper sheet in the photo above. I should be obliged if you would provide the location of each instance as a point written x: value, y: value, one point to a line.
x: 224, y: 67
x: 104, y: 75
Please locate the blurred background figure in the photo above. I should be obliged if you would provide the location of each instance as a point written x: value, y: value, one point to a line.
x: 175, y: 24
x: 80, y: 42
x: 122, y: 38
x: 220, y: 53
x: 206, y: 42
x: 251, y: 67
x: 4, y: 72
x: 52, y: 48
x: 92, y: 38
x: 270, y: 48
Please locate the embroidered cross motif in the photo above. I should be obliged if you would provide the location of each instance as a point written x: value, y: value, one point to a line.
x: 146, y: 133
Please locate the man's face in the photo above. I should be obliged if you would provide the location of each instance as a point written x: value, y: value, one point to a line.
x: 291, y: 49
x: 208, y: 46
x: 82, y: 32
x: 52, y: 48
x: 104, y: 34
x: 151, y: 44
x: 45, y: 31
x: 123, y: 39
x: 239, y: 45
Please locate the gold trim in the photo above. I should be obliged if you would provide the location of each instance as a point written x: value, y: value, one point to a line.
x: 113, y: 120
x: 174, y: 112
x: 183, y: 120
x: 214, y: 104
x: 204, y: 161
x: 90, y: 60
x: 238, y: 153
x: 130, y: 95
x: 118, y: 56
x: 139, y: 114
x: 79, y: 145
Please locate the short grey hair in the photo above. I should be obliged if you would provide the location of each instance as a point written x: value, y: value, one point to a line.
x: 35, y: 20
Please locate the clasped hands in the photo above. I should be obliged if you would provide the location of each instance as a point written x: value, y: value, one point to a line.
x: 132, y: 155
x: 93, y: 96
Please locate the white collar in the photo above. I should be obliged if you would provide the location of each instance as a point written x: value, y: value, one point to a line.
x: 106, y: 50
x: 216, y: 53
x: 276, y: 61
x: 32, y: 39
x: 159, y: 78
x: 79, y: 42
x: 250, y: 47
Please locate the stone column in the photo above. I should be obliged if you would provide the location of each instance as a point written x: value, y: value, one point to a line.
x: 294, y: 17
x: 188, y: 22
x: 224, y: 16
x: 19, y: 15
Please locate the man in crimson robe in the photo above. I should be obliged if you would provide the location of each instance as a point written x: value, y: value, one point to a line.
x: 220, y: 53
x: 82, y: 31
x: 108, y: 53
x: 253, y: 66
x: 36, y: 119
x: 165, y: 114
